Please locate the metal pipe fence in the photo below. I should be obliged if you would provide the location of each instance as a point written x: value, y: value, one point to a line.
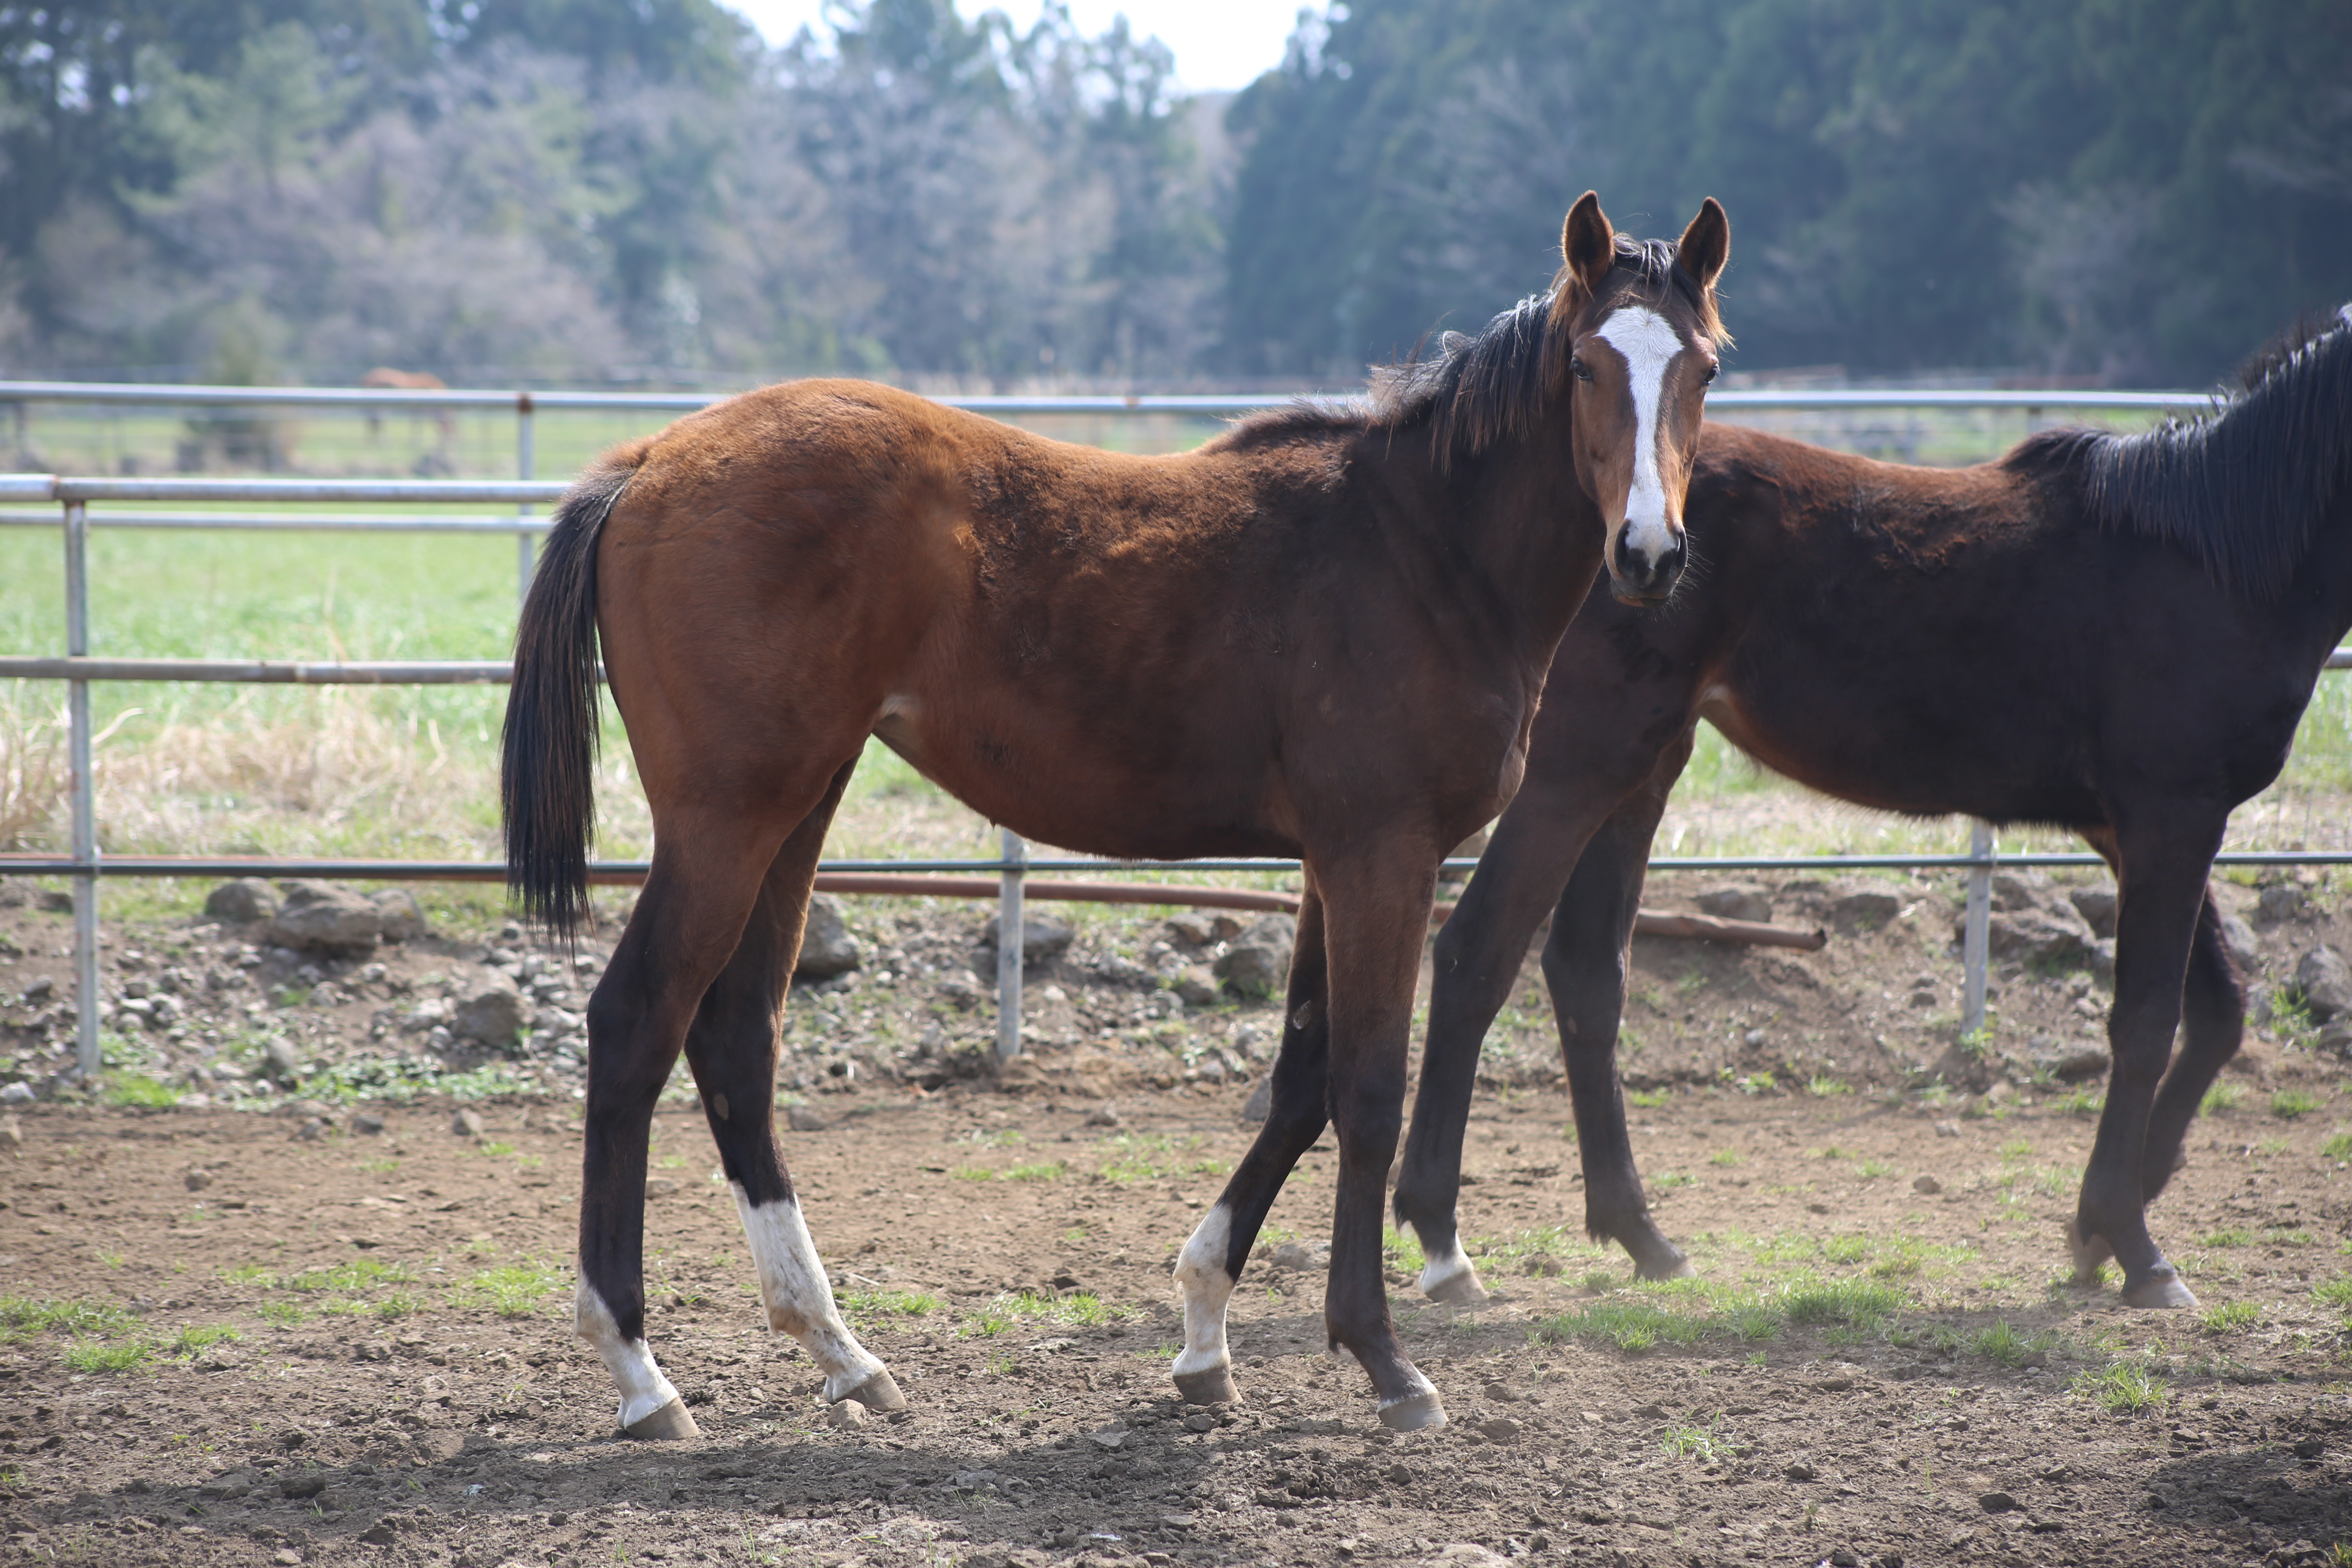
x: 78, y: 668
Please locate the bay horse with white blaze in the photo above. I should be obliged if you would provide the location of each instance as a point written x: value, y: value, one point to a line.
x: 1323, y: 635
x: 2112, y: 634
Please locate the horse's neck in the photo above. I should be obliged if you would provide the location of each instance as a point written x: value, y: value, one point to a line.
x: 1532, y: 535
x: 2324, y: 584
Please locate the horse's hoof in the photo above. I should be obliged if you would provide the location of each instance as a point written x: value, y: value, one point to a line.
x: 2090, y: 1257
x: 2159, y: 1291
x: 672, y: 1423
x: 1414, y: 1412
x: 1212, y: 1385
x: 1462, y: 1289
x: 877, y: 1393
x: 1680, y: 1269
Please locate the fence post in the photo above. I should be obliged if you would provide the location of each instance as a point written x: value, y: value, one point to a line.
x: 1975, y: 935
x: 85, y: 795
x: 526, y: 460
x: 1009, y: 921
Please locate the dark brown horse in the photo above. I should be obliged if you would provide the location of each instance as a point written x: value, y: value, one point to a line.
x: 1322, y: 635
x: 2115, y: 635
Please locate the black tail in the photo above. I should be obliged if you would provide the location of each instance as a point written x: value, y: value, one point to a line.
x: 547, y: 782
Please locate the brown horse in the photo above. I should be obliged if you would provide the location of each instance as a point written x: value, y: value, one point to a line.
x: 2116, y: 635
x: 1321, y: 635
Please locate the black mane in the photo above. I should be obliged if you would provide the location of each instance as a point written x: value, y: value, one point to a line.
x: 1478, y: 390
x: 2241, y: 488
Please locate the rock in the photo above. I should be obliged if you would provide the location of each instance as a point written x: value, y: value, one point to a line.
x: 1996, y: 1502
x: 306, y: 1485
x: 2037, y: 938
x: 244, y: 901
x: 1199, y: 1421
x: 2015, y: 890
x: 1928, y: 1185
x: 1502, y: 1429
x: 1111, y: 1437
x: 431, y: 1013
x: 40, y: 990
x: 826, y: 947
x: 312, y: 1131
x: 197, y: 1181
x: 1252, y: 970
x: 368, y: 1124
x: 1948, y: 1128
x: 1196, y: 985
x: 2281, y: 901
x: 1190, y: 930
x: 279, y: 1064
x: 1254, y: 1110
x: 804, y: 1119
x: 1042, y: 937
x: 2239, y: 941
x: 401, y: 917
x: 1293, y: 1254
x: 1105, y: 1116
x: 1868, y: 910
x: 492, y: 1017
x: 466, y: 1123
x: 22, y: 1094
x: 2097, y: 907
x: 848, y: 1413
x: 320, y: 917
x: 2071, y: 1060
x: 2102, y: 961
x: 1737, y: 901
x: 1799, y: 1471
x: 2325, y: 983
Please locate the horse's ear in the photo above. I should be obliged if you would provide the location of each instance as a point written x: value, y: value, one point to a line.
x: 1706, y: 244
x: 1588, y: 244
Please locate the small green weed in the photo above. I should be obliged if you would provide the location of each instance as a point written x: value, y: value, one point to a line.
x: 84, y: 1355
x: 190, y: 1341
x: 2337, y: 1293
x: 134, y: 1088
x: 2123, y: 1388
x: 2338, y: 1147
x: 2218, y: 1238
x: 23, y: 1315
x: 2229, y: 1317
x: 1688, y: 1443
x: 1821, y: 1086
x: 1873, y: 1169
x: 2221, y: 1096
x: 1854, y: 1304
x: 891, y: 1303
x: 1649, y: 1099
x: 1724, y: 1157
x: 2084, y: 1102
x: 2289, y: 1103
x: 516, y: 1290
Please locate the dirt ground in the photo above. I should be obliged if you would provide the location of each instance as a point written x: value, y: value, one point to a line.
x: 303, y: 1321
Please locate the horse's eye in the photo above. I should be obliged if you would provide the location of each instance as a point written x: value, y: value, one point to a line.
x: 1578, y: 369
x: 1709, y: 377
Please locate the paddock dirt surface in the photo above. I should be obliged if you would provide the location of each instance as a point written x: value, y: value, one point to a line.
x: 1863, y: 1371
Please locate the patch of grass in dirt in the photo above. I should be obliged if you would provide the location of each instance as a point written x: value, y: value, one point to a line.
x: 137, y: 1089
x: 1689, y: 1443
x: 1823, y: 1087
x: 1998, y: 1341
x: 2226, y: 1238
x: 2290, y: 1103
x: 2221, y: 1096
x: 283, y: 1314
x: 358, y: 1274
x: 1649, y: 1099
x: 1668, y: 1181
x: 2337, y: 1293
x: 2122, y: 1387
x: 2082, y: 1103
x: 1401, y: 1250
x: 2338, y: 1147
x: 87, y: 1355
x: 1630, y: 1322
x: 2229, y: 1317
x: 403, y: 1079
x: 22, y: 1316
x: 1080, y: 1307
x: 1037, y: 1171
x: 1724, y: 1157
x: 516, y: 1290
x: 869, y: 1304
x: 1849, y: 1303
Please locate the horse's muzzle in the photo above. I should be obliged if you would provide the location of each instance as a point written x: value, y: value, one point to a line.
x: 1638, y: 578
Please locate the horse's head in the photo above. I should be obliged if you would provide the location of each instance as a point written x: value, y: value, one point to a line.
x: 1633, y: 332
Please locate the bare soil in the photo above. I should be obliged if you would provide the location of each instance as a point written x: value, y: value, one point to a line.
x: 1879, y: 1360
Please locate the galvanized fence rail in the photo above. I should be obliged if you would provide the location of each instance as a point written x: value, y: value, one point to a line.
x: 78, y: 668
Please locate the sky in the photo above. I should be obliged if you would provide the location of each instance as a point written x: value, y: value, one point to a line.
x: 1218, y: 44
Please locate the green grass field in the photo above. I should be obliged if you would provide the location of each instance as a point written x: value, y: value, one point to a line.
x: 411, y: 771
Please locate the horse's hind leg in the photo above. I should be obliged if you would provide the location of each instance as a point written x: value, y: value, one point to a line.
x: 1211, y: 1261
x: 707, y: 873
x: 732, y: 1049
x: 2212, y: 1024
x: 1584, y: 963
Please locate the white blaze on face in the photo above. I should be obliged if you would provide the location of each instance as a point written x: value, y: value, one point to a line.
x: 799, y: 1297
x: 1648, y: 344
x: 1201, y: 1271
x: 644, y: 1389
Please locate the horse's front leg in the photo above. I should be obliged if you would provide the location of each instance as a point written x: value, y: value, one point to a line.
x: 2165, y: 859
x: 1376, y: 907
x: 685, y: 927
x: 733, y: 1050
x: 1585, y: 964
x: 1479, y: 954
x: 1211, y: 1262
